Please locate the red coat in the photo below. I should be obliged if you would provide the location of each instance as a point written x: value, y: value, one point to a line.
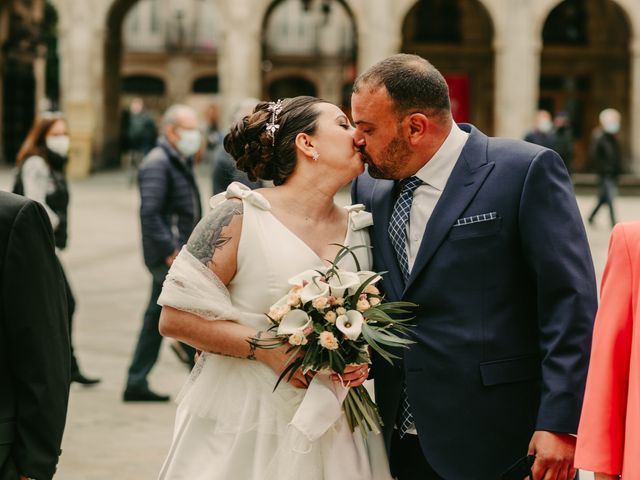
x: 609, y: 432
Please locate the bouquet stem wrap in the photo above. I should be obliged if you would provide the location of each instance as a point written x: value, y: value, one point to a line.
x: 321, y: 407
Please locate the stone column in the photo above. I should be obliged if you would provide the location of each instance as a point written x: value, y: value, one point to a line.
x: 517, y: 70
x: 240, y: 59
x: 39, y: 73
x: 379, y: 32
x: 179, y: 78
x: 77, y: 79
x: 635, y: 107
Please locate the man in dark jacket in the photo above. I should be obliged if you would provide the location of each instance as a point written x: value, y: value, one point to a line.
x: 169, y: 209
x: 34, y: 342
x: 542, y: 133
x: 606, y: 157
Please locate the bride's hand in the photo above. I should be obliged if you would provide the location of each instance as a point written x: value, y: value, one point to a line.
x: 353, y: 376
x: 276, y: 359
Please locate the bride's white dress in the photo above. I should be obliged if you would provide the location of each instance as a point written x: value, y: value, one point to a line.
x: 230, y: 424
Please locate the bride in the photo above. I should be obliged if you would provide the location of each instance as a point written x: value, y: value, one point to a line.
x: 230, y: 423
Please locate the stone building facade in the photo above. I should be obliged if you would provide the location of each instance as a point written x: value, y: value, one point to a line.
x: 508, y: 57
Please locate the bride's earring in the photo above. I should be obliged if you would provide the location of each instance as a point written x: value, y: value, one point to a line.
x: 315, y: 155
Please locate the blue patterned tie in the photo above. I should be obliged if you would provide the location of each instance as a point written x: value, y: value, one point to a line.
x: 398, y: 236
x: 399, y: 221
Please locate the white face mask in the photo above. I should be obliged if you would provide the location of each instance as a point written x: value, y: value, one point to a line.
x: 189, y: 142
x: 545, y: 126
x: 58, y: 144
x: 611, y: 127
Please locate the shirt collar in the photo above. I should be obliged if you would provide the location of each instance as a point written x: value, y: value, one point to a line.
x: 437, y: 170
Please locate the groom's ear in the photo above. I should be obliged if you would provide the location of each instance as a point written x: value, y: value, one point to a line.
x: 417, y: 126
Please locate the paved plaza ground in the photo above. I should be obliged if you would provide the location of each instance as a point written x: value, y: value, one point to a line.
x: 106, y: 439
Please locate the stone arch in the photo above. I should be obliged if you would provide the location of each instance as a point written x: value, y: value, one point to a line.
x: 178, y: 73
x: 585, y: 67
x: 327, y: 61
x: 542, y: 8
x: 405, y: 6
x: 462, y: 50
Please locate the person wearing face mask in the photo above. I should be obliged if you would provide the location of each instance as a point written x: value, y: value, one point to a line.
x: 169, y: 210
x: 41, y: 177
x: 605, y: 155
x: 543, y: 133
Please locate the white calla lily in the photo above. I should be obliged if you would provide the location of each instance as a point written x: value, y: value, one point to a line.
x: 312, y: 286
x: 350, y: 324
x: 294, y: 321
x: 342, y: 281
x: 312, y: 290
x: 365, y: 275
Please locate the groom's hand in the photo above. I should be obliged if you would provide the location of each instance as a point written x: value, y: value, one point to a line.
x: 353, y: 375
x: 554, y: 455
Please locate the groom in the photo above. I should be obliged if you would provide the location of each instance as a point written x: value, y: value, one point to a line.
x: 484, y: 234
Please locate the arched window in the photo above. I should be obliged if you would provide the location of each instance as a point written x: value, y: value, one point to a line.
x: 143, y: 85
x: 205, y: 84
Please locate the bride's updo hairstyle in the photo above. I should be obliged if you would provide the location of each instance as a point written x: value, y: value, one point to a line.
x: 265, y: 157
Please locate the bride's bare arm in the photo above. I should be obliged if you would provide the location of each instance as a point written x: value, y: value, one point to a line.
x: 214, y: 242
x: 224, y: 338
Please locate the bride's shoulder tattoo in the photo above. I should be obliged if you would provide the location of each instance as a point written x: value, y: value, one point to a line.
x: 207, y: 237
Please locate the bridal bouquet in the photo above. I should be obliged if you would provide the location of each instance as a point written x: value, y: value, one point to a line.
x: 329, y: 319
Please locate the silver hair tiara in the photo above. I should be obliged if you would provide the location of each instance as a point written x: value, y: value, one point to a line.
x: 272, y: 126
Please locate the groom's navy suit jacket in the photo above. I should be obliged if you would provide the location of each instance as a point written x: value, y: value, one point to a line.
x: 506, y: 307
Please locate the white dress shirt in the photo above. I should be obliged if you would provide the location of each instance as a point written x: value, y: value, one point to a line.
x: 435, y: 174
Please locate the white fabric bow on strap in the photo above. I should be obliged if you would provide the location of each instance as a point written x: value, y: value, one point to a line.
x: 242, y: 192
x: 358, y: 217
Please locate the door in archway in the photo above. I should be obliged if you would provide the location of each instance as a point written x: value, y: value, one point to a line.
x: 308, y: 39
x: 585, y: 68
x: 291, y: 87
x: 456, y: 37
x: 30, y: 38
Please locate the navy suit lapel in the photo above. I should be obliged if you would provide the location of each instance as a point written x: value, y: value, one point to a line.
x: 467, y: 177
x: 382, y: 200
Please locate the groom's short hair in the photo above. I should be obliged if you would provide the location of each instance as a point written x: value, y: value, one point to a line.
x: 412, y: 82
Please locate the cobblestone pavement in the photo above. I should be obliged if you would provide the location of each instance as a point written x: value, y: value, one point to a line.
x: 106, y: 439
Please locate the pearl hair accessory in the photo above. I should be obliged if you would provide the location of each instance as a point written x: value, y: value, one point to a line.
x: 272, y: 127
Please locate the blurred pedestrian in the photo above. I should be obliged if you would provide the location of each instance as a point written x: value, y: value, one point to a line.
x: 564, y: 139
x: 609, y: 432
x: 213, y: 133
x: 41, y: 177
x: 542, y: 133
x: 34, y: 343
x: 169, y: 209
x: 224, y: 170
x: 605, y: 155
x: 140, y: 134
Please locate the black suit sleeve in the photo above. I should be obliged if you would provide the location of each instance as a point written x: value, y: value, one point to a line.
x: 556, y: 250
x: 34, y: 306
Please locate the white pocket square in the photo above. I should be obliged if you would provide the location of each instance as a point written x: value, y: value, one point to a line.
x: 483, y: 217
